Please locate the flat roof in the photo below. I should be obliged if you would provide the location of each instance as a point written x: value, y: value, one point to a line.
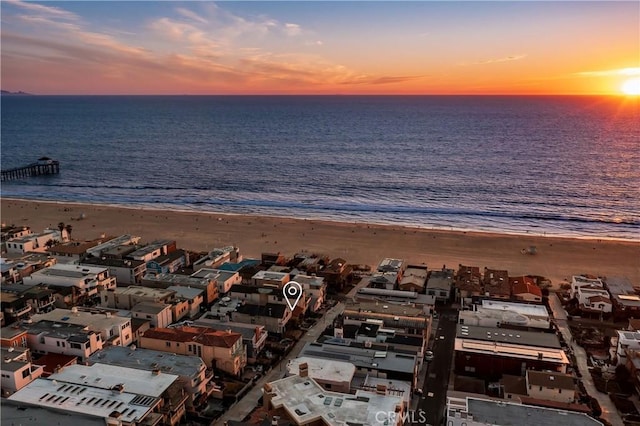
x: 58, y: 329
x: 150, y: 307
x: 520, y: 308
x: 214, y: 273
x: 270, y: 275
x: 506, y: 413
x: 248, y: 331
x: 323, y: 369
x: 31, y: 415
x: 60, y: 268
x: 511, y: 351
x: 114, y: 263
x: 390, y: 265
x: 178, y: 279
x: 93, y: 320
x: 105, y: 376
x: 149, y: 359
x: 441, y: 280
x: 360, y: 356
x: 551, y: 379
x: 397, y: 388
x: 186, y: 292
x: 84, y: 399
x: 307, y: 402
x: 503, y: 335
x: 137, y: 290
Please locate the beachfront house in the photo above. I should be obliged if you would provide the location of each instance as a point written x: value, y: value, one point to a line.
x: 593, y: 299
x: 440, y: 283
x: 126, y: 271
x: 625, y: 298
x: 36, y: 242
x: 414, y: 279
x: 578, y: 281
x: 224, y: 279
x: 496, y: 284
x: 525, y: 289
x: 89, y: 279
x: 16, y: 369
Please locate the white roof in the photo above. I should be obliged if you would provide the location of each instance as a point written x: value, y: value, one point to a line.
x: 520, y: 308
x: 323, y: 369
x: 511, y: 350
x: 86, y: 400
x: 97, y: 321
x: 105, y: 376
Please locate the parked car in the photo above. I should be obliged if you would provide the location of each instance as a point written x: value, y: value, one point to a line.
x: 428, y: 356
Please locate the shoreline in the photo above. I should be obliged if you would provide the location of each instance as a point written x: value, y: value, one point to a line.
x: 558, y: 257
x: 165, y: 207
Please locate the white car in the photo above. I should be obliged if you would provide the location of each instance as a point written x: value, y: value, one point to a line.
x: 428, y: 356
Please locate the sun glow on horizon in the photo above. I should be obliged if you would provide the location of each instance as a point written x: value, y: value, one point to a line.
x: 631, y: 87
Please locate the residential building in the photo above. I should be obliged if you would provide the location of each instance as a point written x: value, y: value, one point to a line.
x: 392, y: 265
x: 138, y: 327
x: 14, y: 307
x: 125, y: 271
x: 367, y: 358
x: 89, y: 279
x: 152, y: 250
x: 525, y: 289
x: 551, y: 386
x: 578, y: 281
x: 17, y: 369
x: 274, y: 316
x: 168, y: 263
x: 414, y: 279
x: 194, y: 298
x: 40, y: 298
x: 302, y: 401
x: 254, y: 336
x: 270, y: 279
x: 468, y: 283
x: 439, y: 284
x: 332, y: 375
x: 114, y: 330
x: 17, y: 266
x: 336, y: 273
x: 239, y: 266
x: 215, y: 258
x: 593, y: 299
x: 33, y: 415
x: 128, y: 297
x: 625, y: 298
x: 46, y: 337
x: 13, y: 336
x: 496, y: 284
x: 9, y: 232
x: 191, y: 370
x: 207, y: 284
x: 404, y: 319
x: 471, y: 411
x: 621, y: 343
x: 383, y: 280
x: 270, y: 259
x: 132, y: 396
x: 35, y: 242
x: 489, y: 353
x: 158, y: 314
x: 74, y: 251
x: 101, y: 250
x: 52, y: 362
x: 397, y: 297
x: 221, y: 350
x: 513, y: 315
x: 315, y: 290
x: 225, y: 279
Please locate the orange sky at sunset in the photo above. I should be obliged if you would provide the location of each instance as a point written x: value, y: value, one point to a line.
x: 320, y: 48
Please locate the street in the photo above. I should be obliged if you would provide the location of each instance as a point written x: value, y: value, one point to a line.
x: 437, y: 380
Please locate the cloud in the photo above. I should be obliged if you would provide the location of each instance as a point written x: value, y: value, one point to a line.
x: 605, y: 73
x: 373, y: 80
x: 191, y: 15
x: 44, y: 10
x: 498, y: 60
x: 292, y: 29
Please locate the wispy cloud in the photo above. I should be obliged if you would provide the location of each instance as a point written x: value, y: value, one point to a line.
x: 43, y: 10
x: 187, y: 13
x: 605, y: 73
x: 292, y: 29
x: 496, y: 60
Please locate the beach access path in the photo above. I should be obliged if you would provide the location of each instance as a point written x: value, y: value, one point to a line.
x: 609, y: 411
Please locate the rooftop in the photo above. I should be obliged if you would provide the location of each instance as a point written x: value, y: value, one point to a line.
x: 29, y: 415
x: 202, y: 335
x: 272, y: 310
x: 322, y: 369
x: 361, y: 357
x: 622, y: 291
x: 248, y: 331
x: 92, y: 320
x: 440, y: 280
x: 76, y: 247
x: 82, y: 399
x: 502, y: 335
x: 148, y: 359
x: 307, y: 402
x: 217, y: 274
x: 151, y: 247
x: 186, y: 292
x: 390, y: 265
x: 520, y: 308
x: 107, y: 376
x: 506, y: 413
x: 114, y: 263
x: 270, y: 275
x: 141, y: 291
x: 150, y: 308
x: 58, y: 330
x: 178, y: 279
x: 551, y: 379
x: 523, y: 285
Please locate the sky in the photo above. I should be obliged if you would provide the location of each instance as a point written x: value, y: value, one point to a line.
x: 305, y: 47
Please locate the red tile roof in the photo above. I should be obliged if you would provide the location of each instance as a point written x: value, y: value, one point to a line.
x: 523, y: 285
x: 202, y: 335
x: 51, y: 361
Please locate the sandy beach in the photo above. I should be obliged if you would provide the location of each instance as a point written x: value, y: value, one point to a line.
x: 556, y: 258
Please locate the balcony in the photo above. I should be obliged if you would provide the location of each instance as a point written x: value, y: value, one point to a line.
x: 19, y: 312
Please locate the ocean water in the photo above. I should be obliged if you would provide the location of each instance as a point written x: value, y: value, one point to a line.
x: 539, y: 165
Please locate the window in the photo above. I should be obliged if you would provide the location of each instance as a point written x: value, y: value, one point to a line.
x: 559, y: 390
x: 25, y: 373
x: 540, y: 388
x: 168, y: 344
x: 73, y: 345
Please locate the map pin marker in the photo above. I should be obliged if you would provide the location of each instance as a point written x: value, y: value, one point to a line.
x: 292, y: 292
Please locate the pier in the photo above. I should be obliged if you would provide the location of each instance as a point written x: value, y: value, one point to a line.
x: 44, y: 166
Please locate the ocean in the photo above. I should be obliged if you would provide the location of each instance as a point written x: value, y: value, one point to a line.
x: 566, y: 166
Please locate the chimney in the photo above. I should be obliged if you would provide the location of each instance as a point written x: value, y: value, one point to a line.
x: 155, y: 371
x: 381, y: 389
x: 304, y: 370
